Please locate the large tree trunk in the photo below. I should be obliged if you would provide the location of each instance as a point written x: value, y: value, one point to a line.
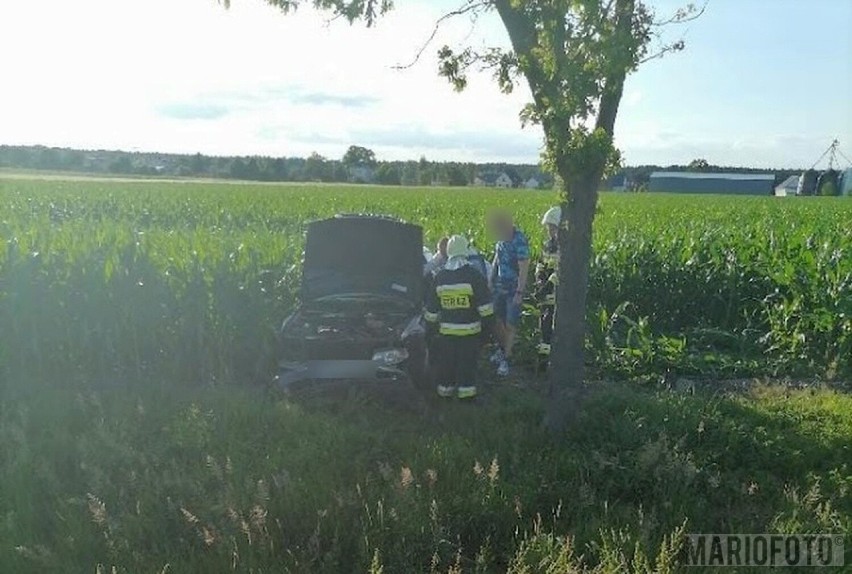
x: 580, y: 190
x: 568, y: 358
x: 575, y: 251
x: 567, y: 363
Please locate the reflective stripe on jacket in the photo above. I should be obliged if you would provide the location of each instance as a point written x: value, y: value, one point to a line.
x: 459, y: 301
x: 546, y: 277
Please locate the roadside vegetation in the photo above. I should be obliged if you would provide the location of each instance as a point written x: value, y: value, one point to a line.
x: 165, y: 479
x: 137, y: 432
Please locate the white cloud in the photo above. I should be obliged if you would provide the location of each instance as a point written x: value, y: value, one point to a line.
x: 191, y: 76
x: 188, y: 75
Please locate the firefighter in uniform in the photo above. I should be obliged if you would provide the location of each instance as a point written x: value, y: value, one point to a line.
x: 546, y: 280
x: 459, y: 310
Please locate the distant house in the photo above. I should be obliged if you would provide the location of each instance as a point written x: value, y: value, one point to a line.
x: 712, y: 183
x: 788, y: 186
x: 532, y: 183
x: 485, y: 180
x: 503, y: 180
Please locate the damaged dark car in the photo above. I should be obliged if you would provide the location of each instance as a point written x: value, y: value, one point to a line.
x: 360, y: 317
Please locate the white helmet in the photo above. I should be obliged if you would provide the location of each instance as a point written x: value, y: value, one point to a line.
x: 458, y: 246
x: 552, y: 216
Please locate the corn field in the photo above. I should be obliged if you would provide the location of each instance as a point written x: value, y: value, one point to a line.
x: 125, y: 308
x: 106, y: 281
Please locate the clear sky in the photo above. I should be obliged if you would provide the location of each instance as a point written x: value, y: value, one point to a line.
x: 762, y: 82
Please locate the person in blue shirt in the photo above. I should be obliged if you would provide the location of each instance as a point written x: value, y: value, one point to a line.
x: 509, y: 275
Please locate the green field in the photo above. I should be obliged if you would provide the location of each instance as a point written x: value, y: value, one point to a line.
x: 105, y: 280
x: 136, y: 431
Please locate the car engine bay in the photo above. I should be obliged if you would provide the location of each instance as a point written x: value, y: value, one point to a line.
x: 355, y: 324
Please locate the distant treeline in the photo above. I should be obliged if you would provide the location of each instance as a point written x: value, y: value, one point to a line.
x: 358, y: 165
x: 354, y: 167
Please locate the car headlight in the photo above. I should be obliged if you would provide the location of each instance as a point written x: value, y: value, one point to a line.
x: 390, y: 356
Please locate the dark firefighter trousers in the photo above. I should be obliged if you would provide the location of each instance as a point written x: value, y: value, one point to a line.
x: 455, y: 359
x: 547, y: 308
x: 545, y: 323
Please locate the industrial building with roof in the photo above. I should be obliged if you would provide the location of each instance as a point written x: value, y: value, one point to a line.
x: 789, y: 186
x: 703, y: 182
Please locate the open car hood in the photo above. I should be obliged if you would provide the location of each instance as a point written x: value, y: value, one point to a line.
x: 363, y: 254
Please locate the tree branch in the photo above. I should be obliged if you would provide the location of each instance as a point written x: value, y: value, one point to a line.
x: 666, y: 49
x: 522, y: 34
x: 331, y: 20
x: 614, y: 83
x: 471, y: 7
x: 683, y: 15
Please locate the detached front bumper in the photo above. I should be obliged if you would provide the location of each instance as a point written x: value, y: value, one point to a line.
x: 291, y: 375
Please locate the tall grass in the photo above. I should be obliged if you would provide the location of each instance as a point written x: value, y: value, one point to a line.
x: 232, y: 481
